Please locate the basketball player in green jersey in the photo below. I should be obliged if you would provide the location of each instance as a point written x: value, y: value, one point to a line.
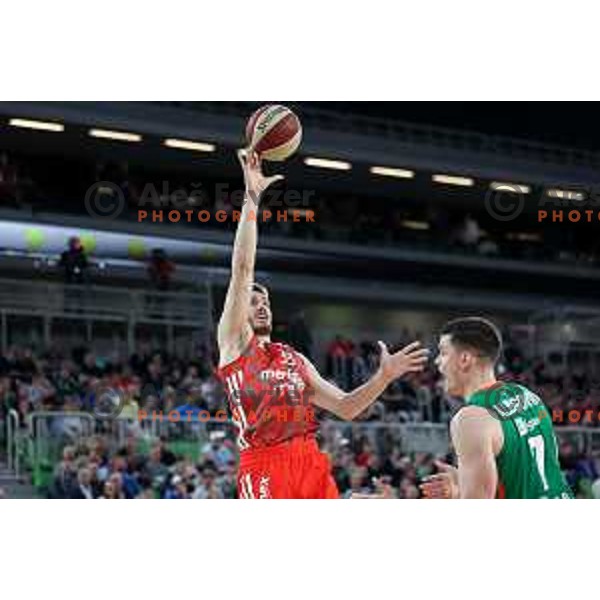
x: 503, y: 437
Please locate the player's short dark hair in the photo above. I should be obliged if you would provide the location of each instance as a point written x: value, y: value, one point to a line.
x: 260, y: 289
x: 477, y: 334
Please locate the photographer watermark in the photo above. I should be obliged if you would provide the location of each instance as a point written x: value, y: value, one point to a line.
x: 104, y: 200
x: 161, y: 203
x: 107, y: 402
x: 287, y: 402
x: 556, y: 203
x: 505, y: 201
x: 222, y: 216
x: 575, y: 416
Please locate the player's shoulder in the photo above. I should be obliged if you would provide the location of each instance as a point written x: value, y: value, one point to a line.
x: 475, y: 424
x: 471, y: 412
x: 303, y: 359
x: 473, y: 419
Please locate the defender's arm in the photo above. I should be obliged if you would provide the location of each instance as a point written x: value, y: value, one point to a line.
x: 475, y: 436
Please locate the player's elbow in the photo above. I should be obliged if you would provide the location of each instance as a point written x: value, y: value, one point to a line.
x: 481, y: 488
x: 344, y: 414
x: 479, y: 493
x: 336, y: 405
x: 489, y: 488
x: 347, y: 411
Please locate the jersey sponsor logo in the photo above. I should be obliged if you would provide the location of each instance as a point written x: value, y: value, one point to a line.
x: 525, y: 426
x: 505, y: 401
x: 273, y: 392
x: 264, y: 490
x: 248, y: 491
x: 284, y: 382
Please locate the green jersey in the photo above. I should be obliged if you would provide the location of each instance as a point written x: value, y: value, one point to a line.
x: 528, y: 465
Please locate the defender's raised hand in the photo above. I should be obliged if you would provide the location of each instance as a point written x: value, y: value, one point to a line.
x: 442, y: 485
x: 410, y: 359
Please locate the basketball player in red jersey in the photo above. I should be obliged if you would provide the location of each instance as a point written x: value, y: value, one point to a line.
x: 272, y: 390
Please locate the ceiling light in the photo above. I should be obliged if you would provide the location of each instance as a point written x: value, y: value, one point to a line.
x: 453, y: 180
x: 39, y: 125
x: 120, y: 136
x: 392, y: 172
x: 189, y: 145
x: 326, y: 163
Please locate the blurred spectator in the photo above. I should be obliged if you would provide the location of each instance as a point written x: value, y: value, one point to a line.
x: 112, y: 489
x: 127, y: 483
x: 83, y: 490
x: 299, y: 335
x: 9, y: 182
x: 160, y: 270
x: 469, y: 233
x: 177, y: 489
x: 74, y: 262
x: 155, y: 469
x: 218, y: 451
x: 487, y: 246
x: 339, y: 361
x: 65, y: 475
x: 167, y: 457
x: 208, y: 488
x: 118, y: 175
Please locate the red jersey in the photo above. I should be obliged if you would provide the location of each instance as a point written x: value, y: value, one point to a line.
x: 269, y: 395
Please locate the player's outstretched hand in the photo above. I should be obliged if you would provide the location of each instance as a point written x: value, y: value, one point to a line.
x: 410, y: 359
x: 256, y: 182
x: 442, y: 485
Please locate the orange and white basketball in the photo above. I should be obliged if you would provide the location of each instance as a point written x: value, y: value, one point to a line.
x: 274, y: 132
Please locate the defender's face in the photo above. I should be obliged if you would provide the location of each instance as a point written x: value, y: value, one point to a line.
x: 450, y: 364
x: 261, y: 317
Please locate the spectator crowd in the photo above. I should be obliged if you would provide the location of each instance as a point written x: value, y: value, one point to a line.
x: 90, y: 469
x: 139, y: 466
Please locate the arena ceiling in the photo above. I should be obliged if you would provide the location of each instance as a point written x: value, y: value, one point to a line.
x: 572, y: 124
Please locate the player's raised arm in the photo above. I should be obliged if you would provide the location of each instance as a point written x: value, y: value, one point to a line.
x: 476, y: 437
x: 234, y: 331
x: 349, y: 405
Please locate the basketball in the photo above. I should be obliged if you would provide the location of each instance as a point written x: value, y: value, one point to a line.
x: 274, y: 132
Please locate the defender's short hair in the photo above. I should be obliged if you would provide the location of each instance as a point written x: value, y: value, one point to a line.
x: 477, y: 334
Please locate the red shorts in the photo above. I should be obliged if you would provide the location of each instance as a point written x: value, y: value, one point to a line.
x: 294, y: 469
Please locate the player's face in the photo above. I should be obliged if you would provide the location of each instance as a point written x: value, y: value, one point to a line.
x: 261, y: 318
x: 450, y: 364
